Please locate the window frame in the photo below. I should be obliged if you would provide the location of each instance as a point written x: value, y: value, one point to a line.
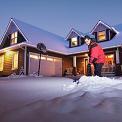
x: 98, y: 37
x: 15, y: 66
x: 2, y: 62
x: 14, y: 37
x: 74, y: 41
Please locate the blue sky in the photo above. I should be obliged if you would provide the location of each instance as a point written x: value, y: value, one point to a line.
x: 59, y: 16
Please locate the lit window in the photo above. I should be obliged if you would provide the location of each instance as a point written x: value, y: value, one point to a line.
x: 49, y: 59
x: 34, y: 56
x: 102, y: 35
x: 15, y: 60
x: 1, y: 62
x: 43, y: 58
x: 14, y: 38
x: 74, y: 41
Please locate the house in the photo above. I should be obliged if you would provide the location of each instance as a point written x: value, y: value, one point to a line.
x: 19, y: 53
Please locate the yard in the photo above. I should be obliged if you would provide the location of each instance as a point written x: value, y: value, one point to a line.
x: 58, y: 99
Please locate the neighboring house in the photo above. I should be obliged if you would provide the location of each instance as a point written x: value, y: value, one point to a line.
x: 19, y: 50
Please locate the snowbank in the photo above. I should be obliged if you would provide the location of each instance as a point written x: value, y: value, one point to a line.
x: 94, y: 84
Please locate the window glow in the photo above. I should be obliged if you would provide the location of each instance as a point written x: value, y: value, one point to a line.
x: 102, y: 35
x: 50, y: 59
x: 74, y: 41
x: 43, y: 58
x: 34, y: 56
x: 14, y: 37
x: 15, y: 61
x: 1, y: 62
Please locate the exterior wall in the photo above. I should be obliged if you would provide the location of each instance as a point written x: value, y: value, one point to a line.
x: 80, y: 65
x: 67, y: 64
x: 7, y: 68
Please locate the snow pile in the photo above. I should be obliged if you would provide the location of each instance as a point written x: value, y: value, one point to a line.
x: 94, y: 84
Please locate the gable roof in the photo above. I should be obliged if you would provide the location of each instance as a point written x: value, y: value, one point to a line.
x: 34, y: 35
x: 55, y: 43
x: 103, y: 23
x: 75, y: 31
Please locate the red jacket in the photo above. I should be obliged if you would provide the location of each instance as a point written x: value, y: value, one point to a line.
x: 96, y: 53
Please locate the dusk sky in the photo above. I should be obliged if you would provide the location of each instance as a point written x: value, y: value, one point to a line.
x: 59, y: 16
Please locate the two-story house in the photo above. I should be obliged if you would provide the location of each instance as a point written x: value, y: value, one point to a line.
x: 19, y: 50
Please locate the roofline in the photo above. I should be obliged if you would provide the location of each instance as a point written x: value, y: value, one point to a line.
x: 12, y: 47
x: 6, y: 30
x: 12, y: 20
x: 26, y: 44
x: 20, y: 30
x: 98, y: 24
x: 115, y: 30
x: 73, y: 30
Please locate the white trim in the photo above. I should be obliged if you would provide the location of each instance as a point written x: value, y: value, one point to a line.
x: 20, y: 30
x: 12, y: 47
x: 115, y: 30
x: 74, y: 61
x: 6, y: 30
x: 12, y: 20
x: 73, y: 30
x: 99, y: 22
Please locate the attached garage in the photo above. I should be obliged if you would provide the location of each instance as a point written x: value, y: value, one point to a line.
x: 50, y: 66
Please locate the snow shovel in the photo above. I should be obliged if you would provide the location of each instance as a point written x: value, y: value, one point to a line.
x: 89, y: 72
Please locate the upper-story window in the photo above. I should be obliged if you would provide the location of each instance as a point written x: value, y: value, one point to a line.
x: 101, y: 35
x: 14, y: 38
x: 74, y: 41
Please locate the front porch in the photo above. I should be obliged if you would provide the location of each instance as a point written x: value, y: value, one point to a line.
x: 79, y: 63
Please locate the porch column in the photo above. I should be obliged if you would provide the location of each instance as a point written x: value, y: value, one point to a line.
x: 74, y: 61
x: 74, y: 66
x: 117, y: 56
x: 25, y: 60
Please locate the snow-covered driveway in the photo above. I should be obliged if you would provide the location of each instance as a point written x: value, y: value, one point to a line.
x: 52, y: 99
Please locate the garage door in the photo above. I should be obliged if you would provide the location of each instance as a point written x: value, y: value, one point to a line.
x: 50, y: 66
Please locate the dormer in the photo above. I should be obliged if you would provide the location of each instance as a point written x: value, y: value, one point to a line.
x: 103, y: 32
x: 12, y: 35
x: 75, y: 38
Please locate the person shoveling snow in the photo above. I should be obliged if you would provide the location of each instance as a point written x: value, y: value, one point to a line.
x: 96, y: 57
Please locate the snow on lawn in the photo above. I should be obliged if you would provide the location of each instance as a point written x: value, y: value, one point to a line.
x: 29, y: 99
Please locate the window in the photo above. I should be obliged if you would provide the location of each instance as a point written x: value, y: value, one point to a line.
x: 14, y: 37
x: 1, y: 62
x: 15, y: 61
x: 102, y: 35
x: 74, y: 41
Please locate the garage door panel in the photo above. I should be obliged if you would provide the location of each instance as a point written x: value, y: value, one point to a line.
x: 50, y: 66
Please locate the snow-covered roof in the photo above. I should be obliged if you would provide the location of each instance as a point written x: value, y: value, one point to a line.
x: 58, y: 44
x: 75, y: 31
x: 35, y: 35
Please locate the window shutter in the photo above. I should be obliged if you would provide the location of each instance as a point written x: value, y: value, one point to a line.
x: 95, y: 34
x: 107, y: 35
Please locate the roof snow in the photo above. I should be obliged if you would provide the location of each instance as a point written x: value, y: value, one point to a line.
x: 36, y: 35
x: 56, y: 43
